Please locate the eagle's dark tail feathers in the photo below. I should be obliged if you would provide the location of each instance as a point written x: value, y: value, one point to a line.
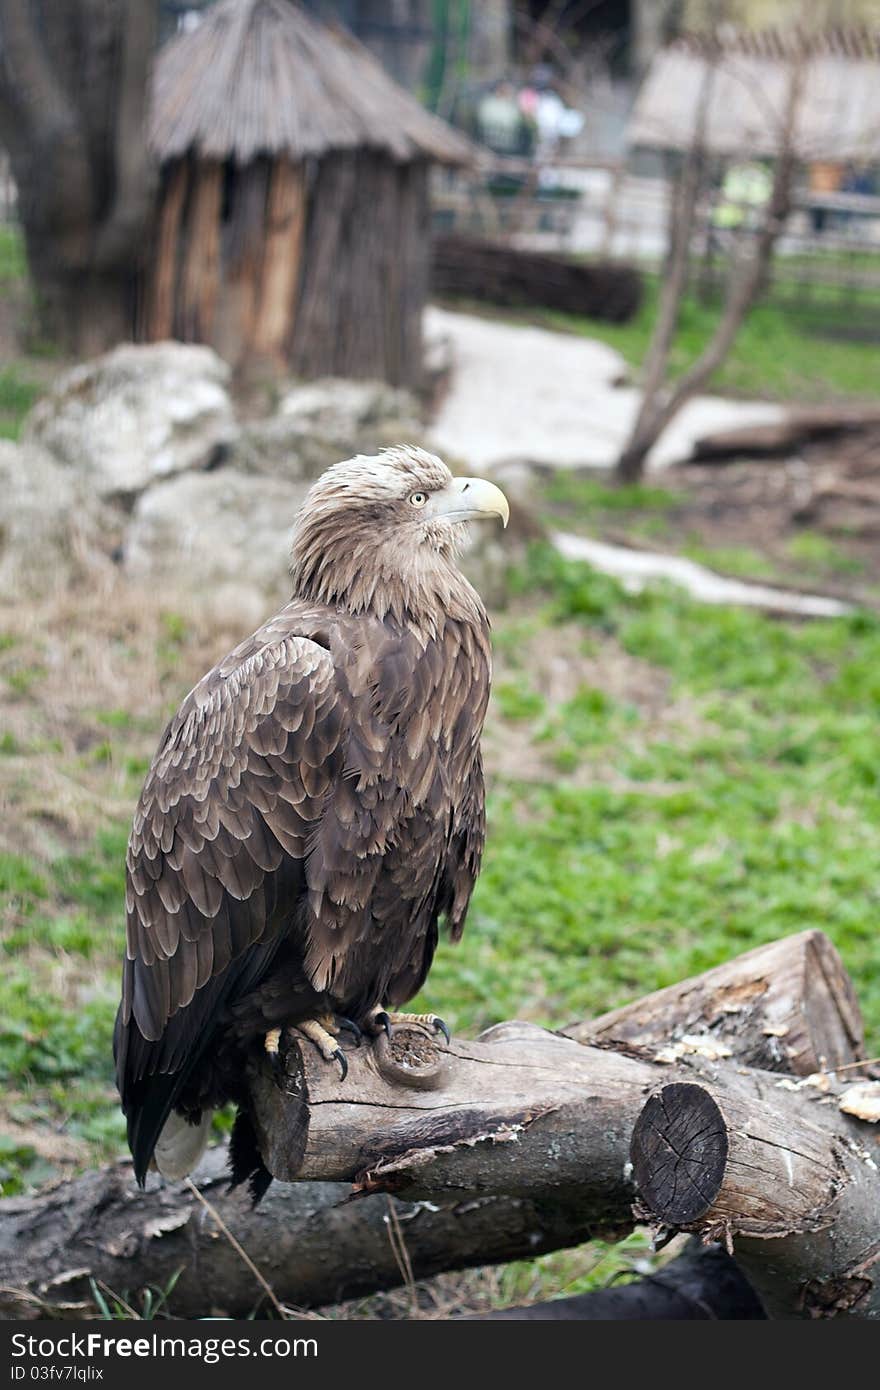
x: 245, y: 1160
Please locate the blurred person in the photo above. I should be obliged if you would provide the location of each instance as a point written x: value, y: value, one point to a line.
x: 745, y: 192
x: 500, y: 122
x: 825, y: 177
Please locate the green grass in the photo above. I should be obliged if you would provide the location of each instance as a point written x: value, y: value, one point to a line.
x: 820, y: 555
x: 60, y: 948
x: 757, y: 819
x: 13, y: 263
x: 647, y: 851
x: 17, y: 395
x: 776, y: 354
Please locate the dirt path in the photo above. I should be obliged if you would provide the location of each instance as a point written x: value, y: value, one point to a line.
x: 550, y: 398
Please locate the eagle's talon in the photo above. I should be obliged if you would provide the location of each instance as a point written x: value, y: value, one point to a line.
x: 321, y: 1032
x: 389, y: 1021
x: 440, y: 1026
x: 349, y: 1025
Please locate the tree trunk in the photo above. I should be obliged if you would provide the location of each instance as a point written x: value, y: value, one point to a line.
x: 516, y: 1143
x: 682, y: 218
x: 73, y: 92
x: 788, y: 1006
x: 309, y: 1240
x: 662, y: 402
x: 798, y: 1206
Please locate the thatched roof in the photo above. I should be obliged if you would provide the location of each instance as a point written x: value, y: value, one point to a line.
x: 263, y: 77
x: 839, y: 114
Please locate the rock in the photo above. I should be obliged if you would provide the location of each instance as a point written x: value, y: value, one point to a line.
x: 222, y: 533
x: 276, y: 447
x: 52, y: 528
x: 320, y: 424
x: 334, y: 405
x: 135, y: 415
x: 486, y: 563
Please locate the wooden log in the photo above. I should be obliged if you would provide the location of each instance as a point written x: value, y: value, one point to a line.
x: 789, y: 1006
x: 517, y: 1111
x: 200, y: 271
x: 312, y: 1245
x: 798, y: 428
x: 162, y: 286
x: 526, y: 1134
x: 315, y: 1246
x: 496, y: 273
x: 282, y: 259
x: 796, y: 1204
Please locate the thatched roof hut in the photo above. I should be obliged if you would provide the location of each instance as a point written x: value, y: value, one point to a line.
x: 293, y: 218
x: 838, y: 114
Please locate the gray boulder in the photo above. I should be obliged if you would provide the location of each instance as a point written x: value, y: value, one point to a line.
x: 135, y: 415
x: 222, y: 533
x: 322, y: 422
x: 335, y: 405
x: 52, y: 528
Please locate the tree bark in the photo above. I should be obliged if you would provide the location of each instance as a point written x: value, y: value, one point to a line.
x: 73, y: 90
x: 796, y: 1204
x: 789, y: 1006
x: 309, y: 1240
x: 509, y: 1145
x: 660, y: 404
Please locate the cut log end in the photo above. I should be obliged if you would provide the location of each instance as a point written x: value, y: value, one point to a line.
x: 679, y: 1153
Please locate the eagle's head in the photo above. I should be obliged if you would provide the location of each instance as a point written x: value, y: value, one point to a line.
x: 382, y: 533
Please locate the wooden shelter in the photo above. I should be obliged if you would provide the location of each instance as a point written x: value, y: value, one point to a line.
x: 838, y: 116
x: 293, y: 219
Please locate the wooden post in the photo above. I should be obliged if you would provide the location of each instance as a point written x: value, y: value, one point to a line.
x: 200, y: 273
x: 242, y: 246
x: 279, y: 283
x: 162, y: 287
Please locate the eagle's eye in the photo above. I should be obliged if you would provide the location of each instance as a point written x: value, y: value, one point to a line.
x: 418, y: 499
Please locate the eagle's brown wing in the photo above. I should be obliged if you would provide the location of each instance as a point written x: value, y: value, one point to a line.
x: 215, y: 855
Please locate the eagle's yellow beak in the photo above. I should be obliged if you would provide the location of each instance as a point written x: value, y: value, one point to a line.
x: 465, y: 499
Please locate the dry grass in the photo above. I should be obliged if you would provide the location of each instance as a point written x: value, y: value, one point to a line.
x: 89, y: 675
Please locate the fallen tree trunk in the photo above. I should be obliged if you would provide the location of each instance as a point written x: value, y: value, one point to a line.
x: 797, y: 1205
x: 507, y: 1146
x: 636, y: 568
x: 789, y: 1006
x: 310, y: 1243
x: 798, y: 428
x: 475, y: 268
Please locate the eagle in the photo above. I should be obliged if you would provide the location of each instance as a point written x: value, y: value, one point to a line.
x: 314, y: 811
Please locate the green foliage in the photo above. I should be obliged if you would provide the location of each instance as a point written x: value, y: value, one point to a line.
x: 17, y: 395
x: 773, y: 356
x: 517, y: 702
x: 819, y: 554
x: 116, y: 1306
x: 586, y: 495
x: 61, y: 947
x: 738, y: 560
x: 13, y: 264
